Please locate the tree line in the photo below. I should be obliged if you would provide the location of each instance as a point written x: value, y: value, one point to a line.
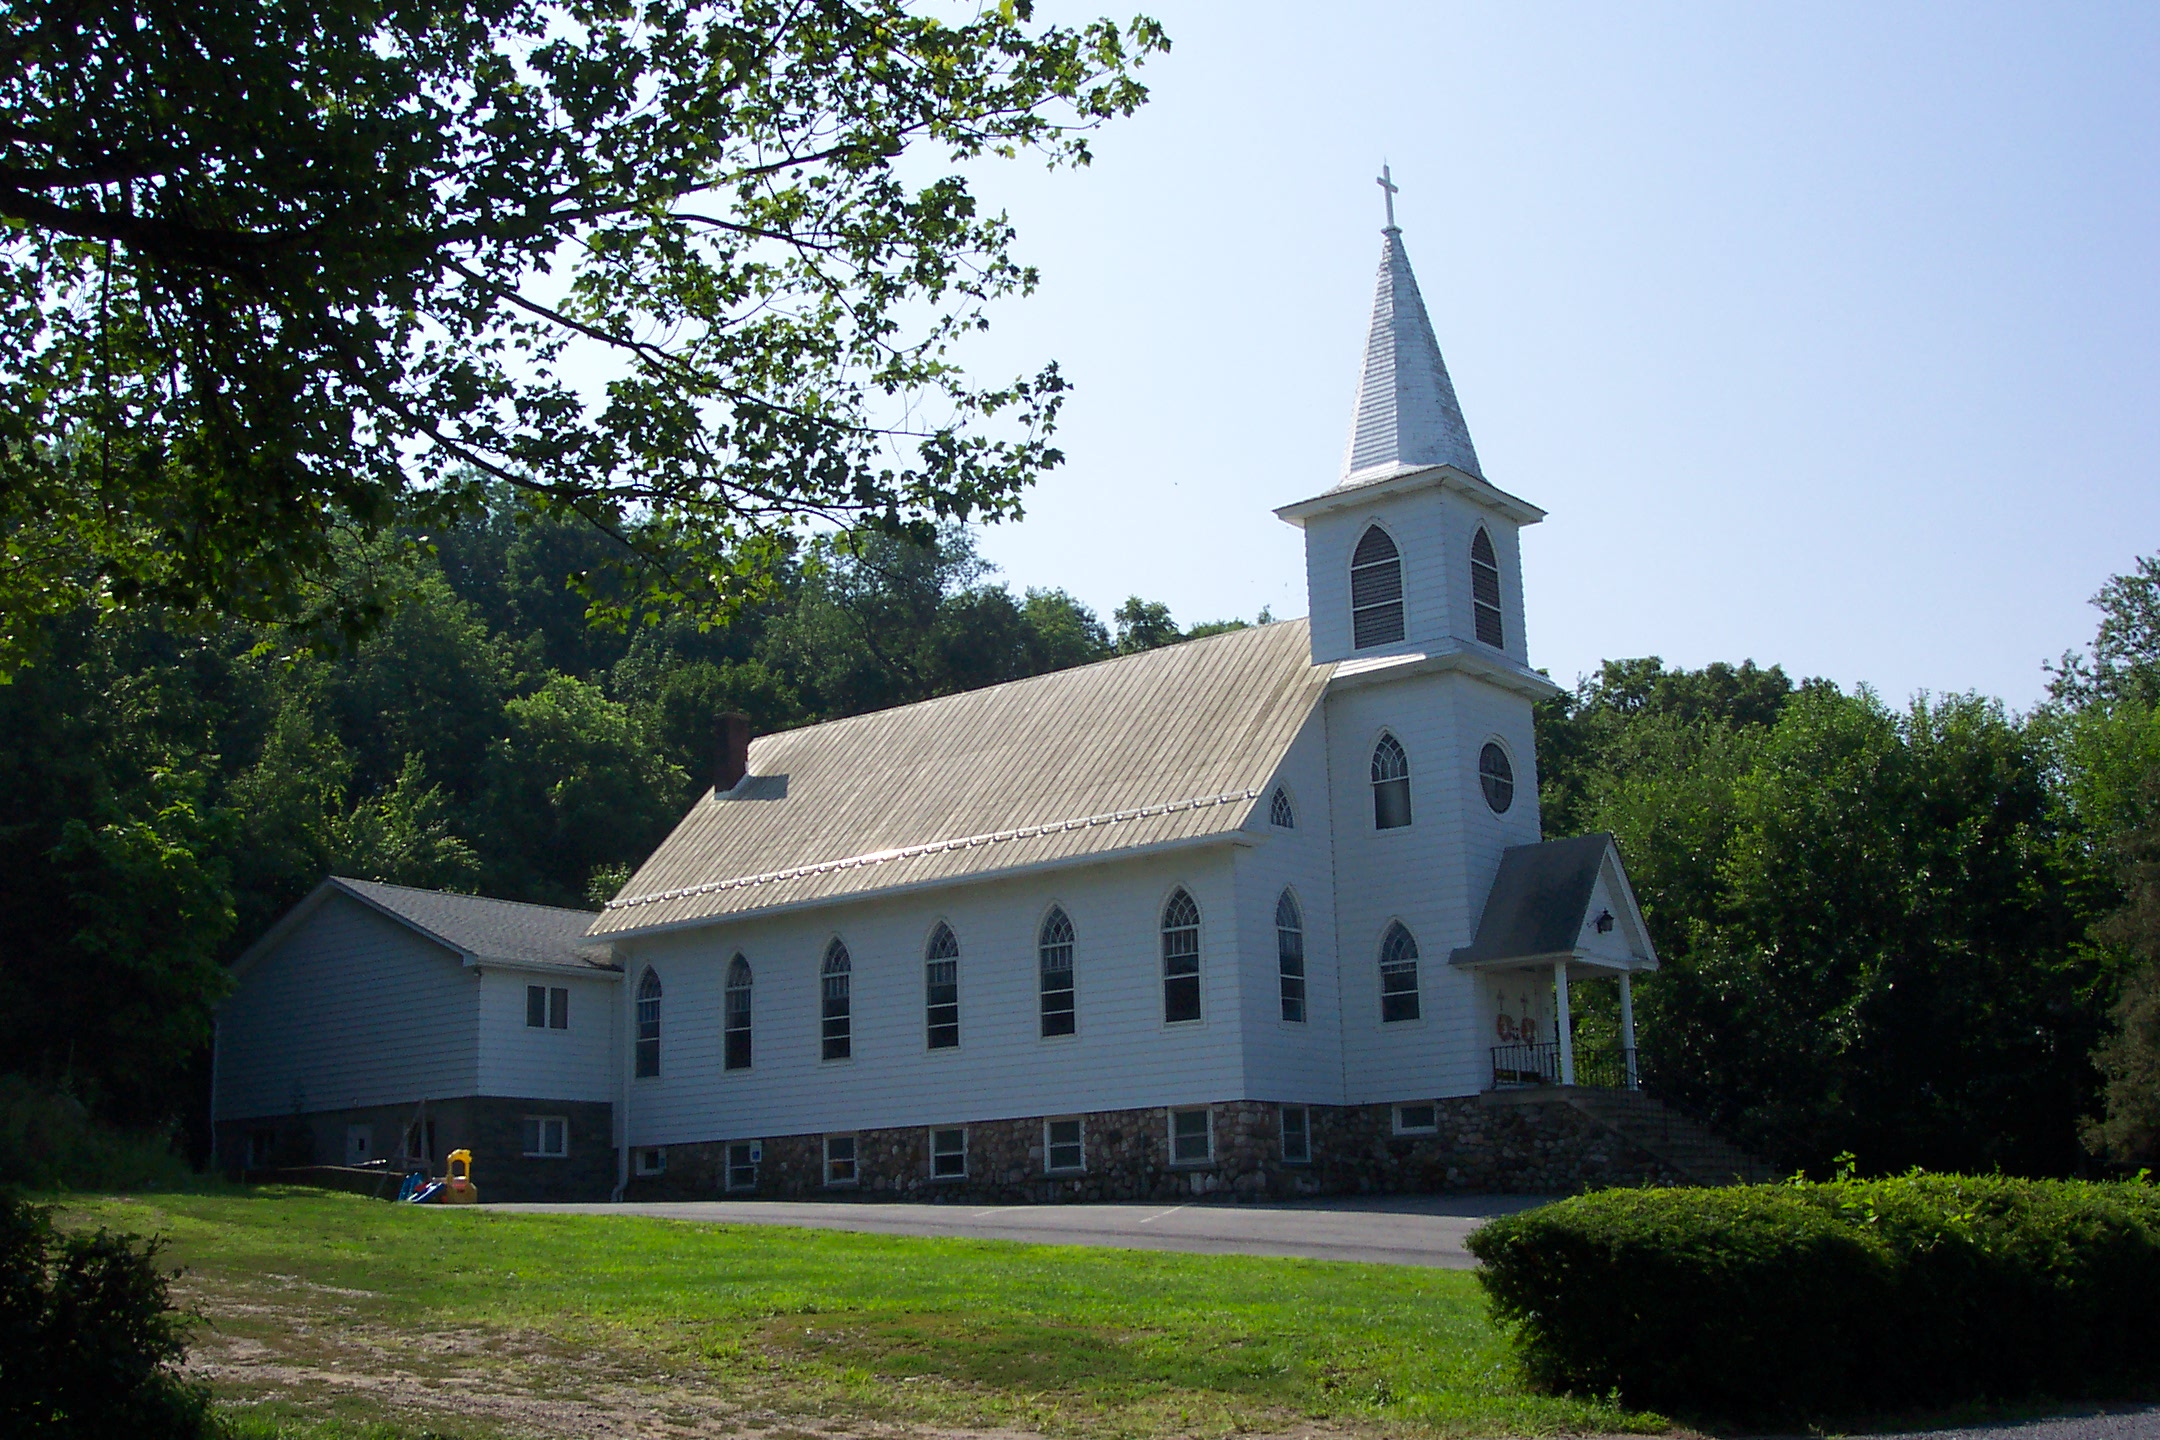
x: 169, y: 786
x: 1918, y: 935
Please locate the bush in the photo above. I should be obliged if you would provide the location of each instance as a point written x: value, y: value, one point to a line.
x: 90, y: 1345
x: 1812, y: 1301
x: 49, y: 1141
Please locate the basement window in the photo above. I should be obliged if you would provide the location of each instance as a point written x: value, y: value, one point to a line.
x: 1296, y: 1135
x: 1062, y: 1148
x: 547, y: 1137
x: 948, y: 1154
x: 1419, y: 1119
x: 840, y: 1160
x: 742, y: 1163
x: 1192, y: 1137
x: 652, y: 1160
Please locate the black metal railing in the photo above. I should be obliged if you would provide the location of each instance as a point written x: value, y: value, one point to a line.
x: 1602, y: 1069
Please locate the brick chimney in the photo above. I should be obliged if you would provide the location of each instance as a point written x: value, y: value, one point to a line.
x: 731, y: 750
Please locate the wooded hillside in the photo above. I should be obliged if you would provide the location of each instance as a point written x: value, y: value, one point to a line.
x: 1897, y: 931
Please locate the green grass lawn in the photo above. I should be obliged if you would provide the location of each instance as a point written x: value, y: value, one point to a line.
x: 328, y: 1315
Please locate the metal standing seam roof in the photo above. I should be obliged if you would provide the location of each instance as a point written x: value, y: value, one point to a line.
x: 1165, y: 746
x: 499, y: 930
x: 1407, y: 415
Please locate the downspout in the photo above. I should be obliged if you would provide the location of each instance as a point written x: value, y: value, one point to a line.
x: 629, y: 1054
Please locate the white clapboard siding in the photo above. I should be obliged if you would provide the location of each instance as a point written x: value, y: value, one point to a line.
x: 1287, y: 1061
x: 1122, y: 1056
x: 350, y: 1008
x: 576, y: 1063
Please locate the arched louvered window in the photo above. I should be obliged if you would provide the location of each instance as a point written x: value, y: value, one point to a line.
x: 837, y: 1025
x: 941, y: 988
x: 1496, y: 777
x: 1181, y: 959
x: 1398, y: 975
x: 648, y: 1026
x: 735, y: 1024
x: 1054, y: 953
x: 1290, y: 956
x: 1390, y: 785
x: 1376, y: 616
x: 1485, y: 588
x: 1279, y: 811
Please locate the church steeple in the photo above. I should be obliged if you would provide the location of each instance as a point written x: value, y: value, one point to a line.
x: 1407, y: 415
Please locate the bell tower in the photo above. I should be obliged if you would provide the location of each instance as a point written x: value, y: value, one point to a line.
x: 1412, y: 550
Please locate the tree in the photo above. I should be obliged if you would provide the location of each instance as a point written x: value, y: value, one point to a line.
x: 1144, y: 625
x: 2125, y: 659
x: 2128, y: 1130
x: 278, y: 273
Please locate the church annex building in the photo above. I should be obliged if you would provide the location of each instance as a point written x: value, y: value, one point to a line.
x: 1267, y: 913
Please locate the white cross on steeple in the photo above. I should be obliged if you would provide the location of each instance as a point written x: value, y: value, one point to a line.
x: 1387, y: 183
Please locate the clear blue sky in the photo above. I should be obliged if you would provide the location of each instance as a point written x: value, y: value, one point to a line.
x: 1828, y: 335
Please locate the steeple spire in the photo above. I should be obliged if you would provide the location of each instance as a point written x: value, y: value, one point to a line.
x: 1407, y: 415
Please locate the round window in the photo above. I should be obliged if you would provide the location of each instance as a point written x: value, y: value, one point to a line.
x: 1498, y: 778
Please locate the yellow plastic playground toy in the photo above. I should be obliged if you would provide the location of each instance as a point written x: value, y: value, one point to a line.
x: 455, y: 1188
x: 458, y: 1188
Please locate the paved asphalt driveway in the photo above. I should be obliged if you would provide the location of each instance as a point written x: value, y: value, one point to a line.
x: 1390, y: 1230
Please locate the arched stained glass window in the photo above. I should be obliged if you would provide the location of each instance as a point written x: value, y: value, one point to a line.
x: 1181, y: 959
x: 837, y: 1025
x: 1496, y: 777
x: 1376, y: 613
x: 1390, y: 784
x: 1485, y: 588
x: 1279, y: 811
x: 648, y: 1025
x: 941, y: 988
x: 735, y: 1027
x: 1054, y: 951
x: 1398, y: 975
x: 1290, y: 956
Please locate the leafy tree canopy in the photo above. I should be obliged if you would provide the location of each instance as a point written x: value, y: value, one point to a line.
x: 276, y: 273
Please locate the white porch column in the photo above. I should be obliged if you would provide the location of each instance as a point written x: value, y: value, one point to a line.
x: 1627, y: 1028
x: 1567, y: 1024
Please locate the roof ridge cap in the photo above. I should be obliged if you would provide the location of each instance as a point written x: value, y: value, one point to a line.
x: 1047, y: 675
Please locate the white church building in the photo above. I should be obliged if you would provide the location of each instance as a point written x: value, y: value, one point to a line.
x: 1264, y: 913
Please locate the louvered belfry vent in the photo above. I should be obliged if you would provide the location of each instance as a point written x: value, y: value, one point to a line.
x: 1485, y: 588
x: 1376, y: 613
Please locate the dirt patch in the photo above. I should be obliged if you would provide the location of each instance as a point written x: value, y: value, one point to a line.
x: 317, y: 1350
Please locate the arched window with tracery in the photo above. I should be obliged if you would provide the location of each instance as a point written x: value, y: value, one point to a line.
x: 1390, y: 784
x: 648, y: 1025
x: 1290, y: 956
x: 1485, y: 588
x: 1398, y: 975
x: 1376, y: 613
x: 735, y: 1026
x: 836, y: 1031
x: 1054, y: 956
x: 1279, y: 811
x: 941, y: 988
x: 1181, y: 959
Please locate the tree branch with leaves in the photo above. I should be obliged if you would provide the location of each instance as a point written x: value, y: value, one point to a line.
x: 273, y: 274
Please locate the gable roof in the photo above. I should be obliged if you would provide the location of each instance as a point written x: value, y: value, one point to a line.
x: 1167, y: 747
x: 480, y: 930
x: 1541, y: 898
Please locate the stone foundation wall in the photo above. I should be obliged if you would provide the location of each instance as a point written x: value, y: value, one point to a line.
x: 491, y: 1127
x: 1520, y: 1142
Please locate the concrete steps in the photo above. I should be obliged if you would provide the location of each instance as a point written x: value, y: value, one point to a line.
x: 1685, y: 1144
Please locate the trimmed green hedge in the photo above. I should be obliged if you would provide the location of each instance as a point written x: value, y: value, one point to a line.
x: 1786, y: 1301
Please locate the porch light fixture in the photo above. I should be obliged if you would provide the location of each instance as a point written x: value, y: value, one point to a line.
x: 1603, y: 923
